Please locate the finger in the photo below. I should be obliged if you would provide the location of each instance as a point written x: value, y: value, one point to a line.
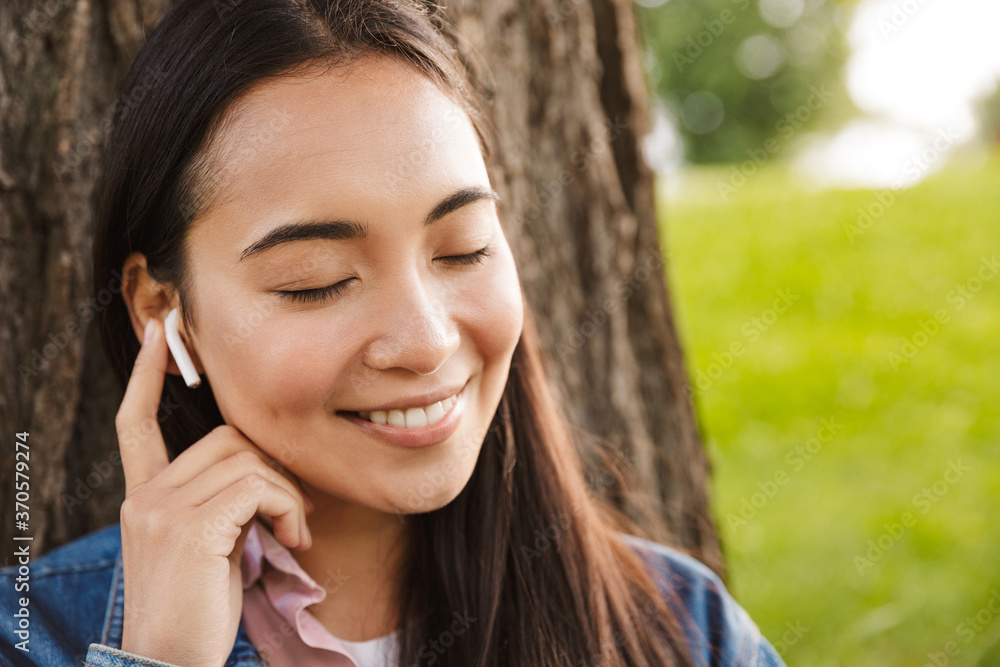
x: 237, y: 553
x: 243, y: 464
x: 228, y: 511
x: 222, y: 443
x: 143, y: 452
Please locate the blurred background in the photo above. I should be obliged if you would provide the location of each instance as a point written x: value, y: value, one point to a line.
x: 829, y: 196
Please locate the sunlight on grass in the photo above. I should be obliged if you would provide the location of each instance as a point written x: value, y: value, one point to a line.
x: 844, y: 367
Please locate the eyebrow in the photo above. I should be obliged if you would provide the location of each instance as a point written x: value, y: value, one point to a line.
x: 351, y: 229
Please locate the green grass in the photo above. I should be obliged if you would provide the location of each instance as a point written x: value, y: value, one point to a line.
x: 837, y: 353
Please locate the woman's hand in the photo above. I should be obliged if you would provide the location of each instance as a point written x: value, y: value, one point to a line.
x: 184, y: 523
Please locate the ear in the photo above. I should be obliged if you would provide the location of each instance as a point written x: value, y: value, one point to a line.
x: 145, y: 297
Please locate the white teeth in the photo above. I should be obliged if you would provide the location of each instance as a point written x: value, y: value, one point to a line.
x: 416, y: 418
x: 435, y: 412
x: 397, y: 418
x: 411, y: 417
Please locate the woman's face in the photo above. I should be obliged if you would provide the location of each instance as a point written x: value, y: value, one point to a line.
x: 347, y: 179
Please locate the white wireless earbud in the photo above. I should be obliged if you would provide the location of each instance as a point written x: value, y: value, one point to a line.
x: 180, y: 352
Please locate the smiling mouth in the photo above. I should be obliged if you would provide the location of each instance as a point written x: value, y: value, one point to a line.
x: 409, y: 418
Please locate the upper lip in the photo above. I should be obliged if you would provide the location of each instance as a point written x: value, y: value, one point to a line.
x: 414, y: 400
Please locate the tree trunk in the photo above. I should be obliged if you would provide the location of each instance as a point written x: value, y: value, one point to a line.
x: 568, y: 97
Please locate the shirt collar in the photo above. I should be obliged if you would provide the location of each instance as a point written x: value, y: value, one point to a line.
x: 262, y: 547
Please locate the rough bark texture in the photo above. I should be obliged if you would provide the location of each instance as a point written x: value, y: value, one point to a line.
x: 568, y: 97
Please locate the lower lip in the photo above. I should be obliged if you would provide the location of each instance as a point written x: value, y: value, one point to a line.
x: 437, y: 432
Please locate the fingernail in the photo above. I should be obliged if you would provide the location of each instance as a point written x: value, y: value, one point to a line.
x: 148, y: 334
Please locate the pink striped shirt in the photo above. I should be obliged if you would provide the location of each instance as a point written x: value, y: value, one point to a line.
x: 276, y: 594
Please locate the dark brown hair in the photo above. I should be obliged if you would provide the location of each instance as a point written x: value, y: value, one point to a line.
x: 525, y: 549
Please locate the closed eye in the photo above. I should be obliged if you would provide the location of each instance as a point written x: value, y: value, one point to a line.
x: 472, y: 258
x: 318, y: 294
x: 322, y: 293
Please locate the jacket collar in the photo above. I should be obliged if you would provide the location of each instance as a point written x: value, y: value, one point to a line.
x: 243, y: 654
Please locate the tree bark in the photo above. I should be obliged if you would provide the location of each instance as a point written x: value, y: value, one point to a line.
x: 567, y: 94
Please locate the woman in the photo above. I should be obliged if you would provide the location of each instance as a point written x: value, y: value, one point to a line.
x: 364, y: 473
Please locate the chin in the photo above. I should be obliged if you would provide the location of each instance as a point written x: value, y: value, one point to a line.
x: 426, y: 497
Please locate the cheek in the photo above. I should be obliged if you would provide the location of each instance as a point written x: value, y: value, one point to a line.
x: 274, y: 366
x: 497, y: 310
x: 291, y: 374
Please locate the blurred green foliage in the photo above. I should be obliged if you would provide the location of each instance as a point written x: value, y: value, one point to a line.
x: 846, y: 410
x: 988, y: 112
x: 739, y: 75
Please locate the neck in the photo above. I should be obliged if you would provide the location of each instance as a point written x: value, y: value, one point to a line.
x: 357, y: 555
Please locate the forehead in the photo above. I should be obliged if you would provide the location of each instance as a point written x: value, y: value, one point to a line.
x: 373, y: 133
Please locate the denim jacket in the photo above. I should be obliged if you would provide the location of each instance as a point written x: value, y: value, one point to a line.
x: 75, y: 604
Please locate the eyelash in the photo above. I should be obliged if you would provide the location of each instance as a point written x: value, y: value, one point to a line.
x: 322, y: 293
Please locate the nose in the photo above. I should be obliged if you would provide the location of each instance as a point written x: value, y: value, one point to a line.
x: 417, y: 329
